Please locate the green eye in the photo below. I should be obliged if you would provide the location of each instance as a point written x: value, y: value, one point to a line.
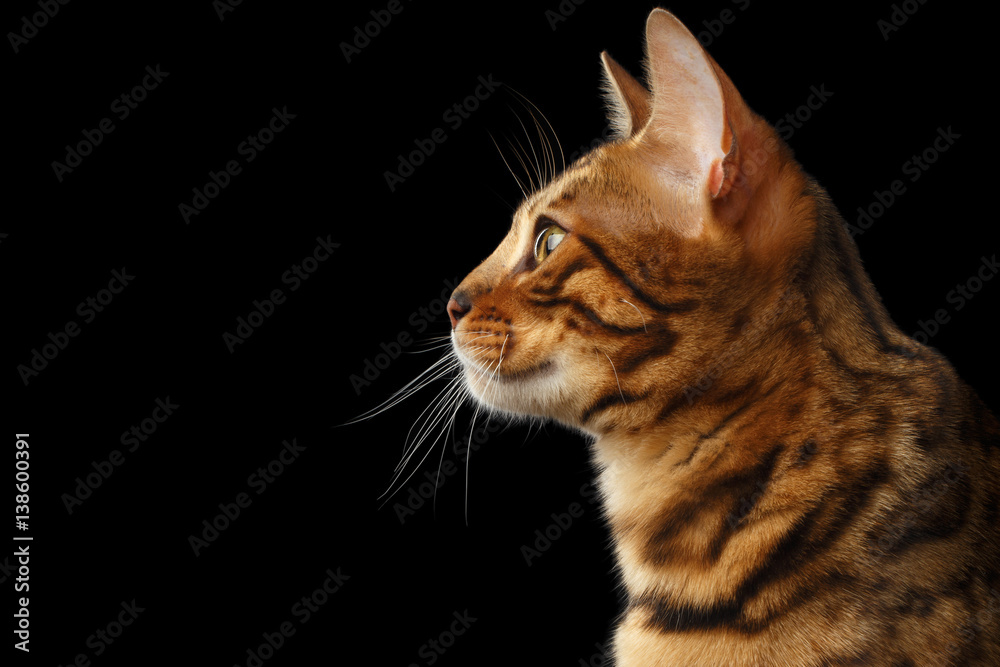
x: 547, y: 241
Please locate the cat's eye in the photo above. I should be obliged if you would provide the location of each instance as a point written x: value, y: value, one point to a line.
x: 547, y: 241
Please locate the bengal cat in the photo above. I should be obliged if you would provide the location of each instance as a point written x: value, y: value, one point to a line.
x: 788, y: 478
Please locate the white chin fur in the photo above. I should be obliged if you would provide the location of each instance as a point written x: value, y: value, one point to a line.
x: 536, y: 395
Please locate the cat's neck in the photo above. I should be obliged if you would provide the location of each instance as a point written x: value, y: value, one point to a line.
x: 853, y: 324
x: 783, y: 393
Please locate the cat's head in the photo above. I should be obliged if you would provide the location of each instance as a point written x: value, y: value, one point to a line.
x: 620, y: 280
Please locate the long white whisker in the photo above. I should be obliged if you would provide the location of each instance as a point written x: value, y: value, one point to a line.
x: 430, y: 374
x: 520, y: 185
x: 389, y: 492
x: 524, y: 164
x: 440, y: 406
x: 468, y: 455
x: 400, y: 396
x: 462, y: 395
x: 431, y: 348
x: 527, y: 137
x: 441, y: 409
x: 554, y: 135
x: 547, y: 156
x: 428, y: 423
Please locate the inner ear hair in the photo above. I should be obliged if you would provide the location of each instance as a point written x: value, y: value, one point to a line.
x: 627, y: 100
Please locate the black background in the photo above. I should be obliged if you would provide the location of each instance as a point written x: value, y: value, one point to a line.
x: 324, y: 175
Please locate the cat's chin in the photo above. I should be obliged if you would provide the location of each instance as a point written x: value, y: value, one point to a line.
x: 532, y: 391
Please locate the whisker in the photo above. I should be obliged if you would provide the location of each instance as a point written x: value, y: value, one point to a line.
x: 454, y: 391
x: 390, y: 492
x: 468, y: 456
x: 552, y: 129
x: 549, y: 159
x: 436, y: 422
x: 520, y: 185
x: 502, y: 198
x: 524, y: 164
x: 616, y: 376
x: 462, y: 395
x: 433, y: 372
x: 434, y: 406
x: 542, y: 182
x: 640, y: 314
x: 431, y: 348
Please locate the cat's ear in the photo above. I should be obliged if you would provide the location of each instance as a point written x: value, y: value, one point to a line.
x: 688, y: 105
x: 627, y: 99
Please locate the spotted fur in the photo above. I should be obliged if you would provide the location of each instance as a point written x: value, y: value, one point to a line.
x: 788, y: 478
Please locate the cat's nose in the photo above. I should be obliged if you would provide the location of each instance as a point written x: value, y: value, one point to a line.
x: 458, y: 306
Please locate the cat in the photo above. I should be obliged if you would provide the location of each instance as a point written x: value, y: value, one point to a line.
x: 787, y: 477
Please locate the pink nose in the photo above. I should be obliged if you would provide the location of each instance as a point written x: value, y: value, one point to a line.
x: 458, y: 306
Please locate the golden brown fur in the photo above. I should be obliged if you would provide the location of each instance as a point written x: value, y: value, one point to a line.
x: 788, y: 478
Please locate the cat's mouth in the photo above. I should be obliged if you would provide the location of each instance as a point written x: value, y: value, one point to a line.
x: 517, y: 390
x: 490, y: 374
x: 525, y: 374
